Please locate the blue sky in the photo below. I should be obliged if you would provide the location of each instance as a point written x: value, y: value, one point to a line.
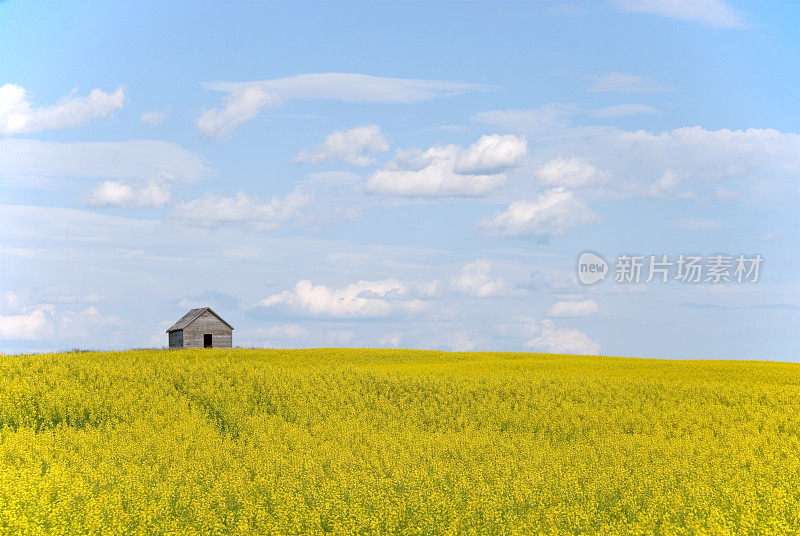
x: 398, y: 174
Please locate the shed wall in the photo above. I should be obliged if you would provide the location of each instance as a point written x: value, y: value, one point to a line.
x: 176, y: 339
x: 221, y: 334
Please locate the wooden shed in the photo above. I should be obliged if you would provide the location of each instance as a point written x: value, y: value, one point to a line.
x: 201, y: 328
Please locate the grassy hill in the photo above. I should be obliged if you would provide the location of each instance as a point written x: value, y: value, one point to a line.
x: 338, y: 441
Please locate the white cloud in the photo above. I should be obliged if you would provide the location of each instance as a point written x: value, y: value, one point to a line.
x: 34, y: 325
x: 112, y: 193
x: 474, y: 279
x: 449, y: 171
x: 714, y: 13
x: 554, y: 212
x: 458, y: 341
x: 534, y: 120
x: 86, y: 323
x: 13, y: 300
x: 239, y: 106
x: 492, y: 154
x: 430, y: 174
x: 700, y: 155
x: 362, y: 299
x: 153, y: 193
x: 19, y: 116
x: 571, y: 308
x: 47, y: 320
x: 680, y: 163
x: 354, y: 146
x: 390, y: 339
x: 155, y: 117
x: 352, y: 87
x: 664, y: 186
x: 625, y: 110
x: 563, y: 340
x: 569, y: 173
x: 244, y: 100
x: 127, y: 160
x: 212, y: 210
x: 624, y: 83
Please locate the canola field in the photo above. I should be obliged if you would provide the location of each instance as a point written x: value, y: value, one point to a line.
x: 343, y: 441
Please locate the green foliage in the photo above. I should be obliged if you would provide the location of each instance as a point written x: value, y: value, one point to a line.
x: 336, y: 441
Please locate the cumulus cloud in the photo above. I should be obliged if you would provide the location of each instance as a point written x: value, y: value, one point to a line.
x: 569, y: 173
x: 13, y: 300
x: 213, y: 210
x: 624, y: 83
x: 570, y: 308
x: 19, y: 116
x: 85, y: 323
x: 430, y: 174
x: 475, y: 279
x: 45, y: 321
x: 492, y: 154
x: 665, y: 186
x: 711, y: 156
x: 153, y: 193
x: 355, y: 146
x: 714, y: 13
x: 449, y: 171
x: 625, y: 110
x: 112, y: 193
x: 245, y: 100
x: 679, y: 163
x: 554, y: 212
x: 390, y: 339
x: 362, y: 299
x: 33, y: 325
x: 563, y: 340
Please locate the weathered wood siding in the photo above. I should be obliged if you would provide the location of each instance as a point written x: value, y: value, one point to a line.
x: 221, y: 334
x: 176, y: 339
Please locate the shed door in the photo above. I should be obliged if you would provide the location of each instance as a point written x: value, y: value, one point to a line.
x: 207, y: 340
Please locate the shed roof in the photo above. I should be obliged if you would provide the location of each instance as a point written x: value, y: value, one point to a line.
x: 191, y: 316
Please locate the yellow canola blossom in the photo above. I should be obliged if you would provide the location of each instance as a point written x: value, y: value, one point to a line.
x: 403, y: 442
